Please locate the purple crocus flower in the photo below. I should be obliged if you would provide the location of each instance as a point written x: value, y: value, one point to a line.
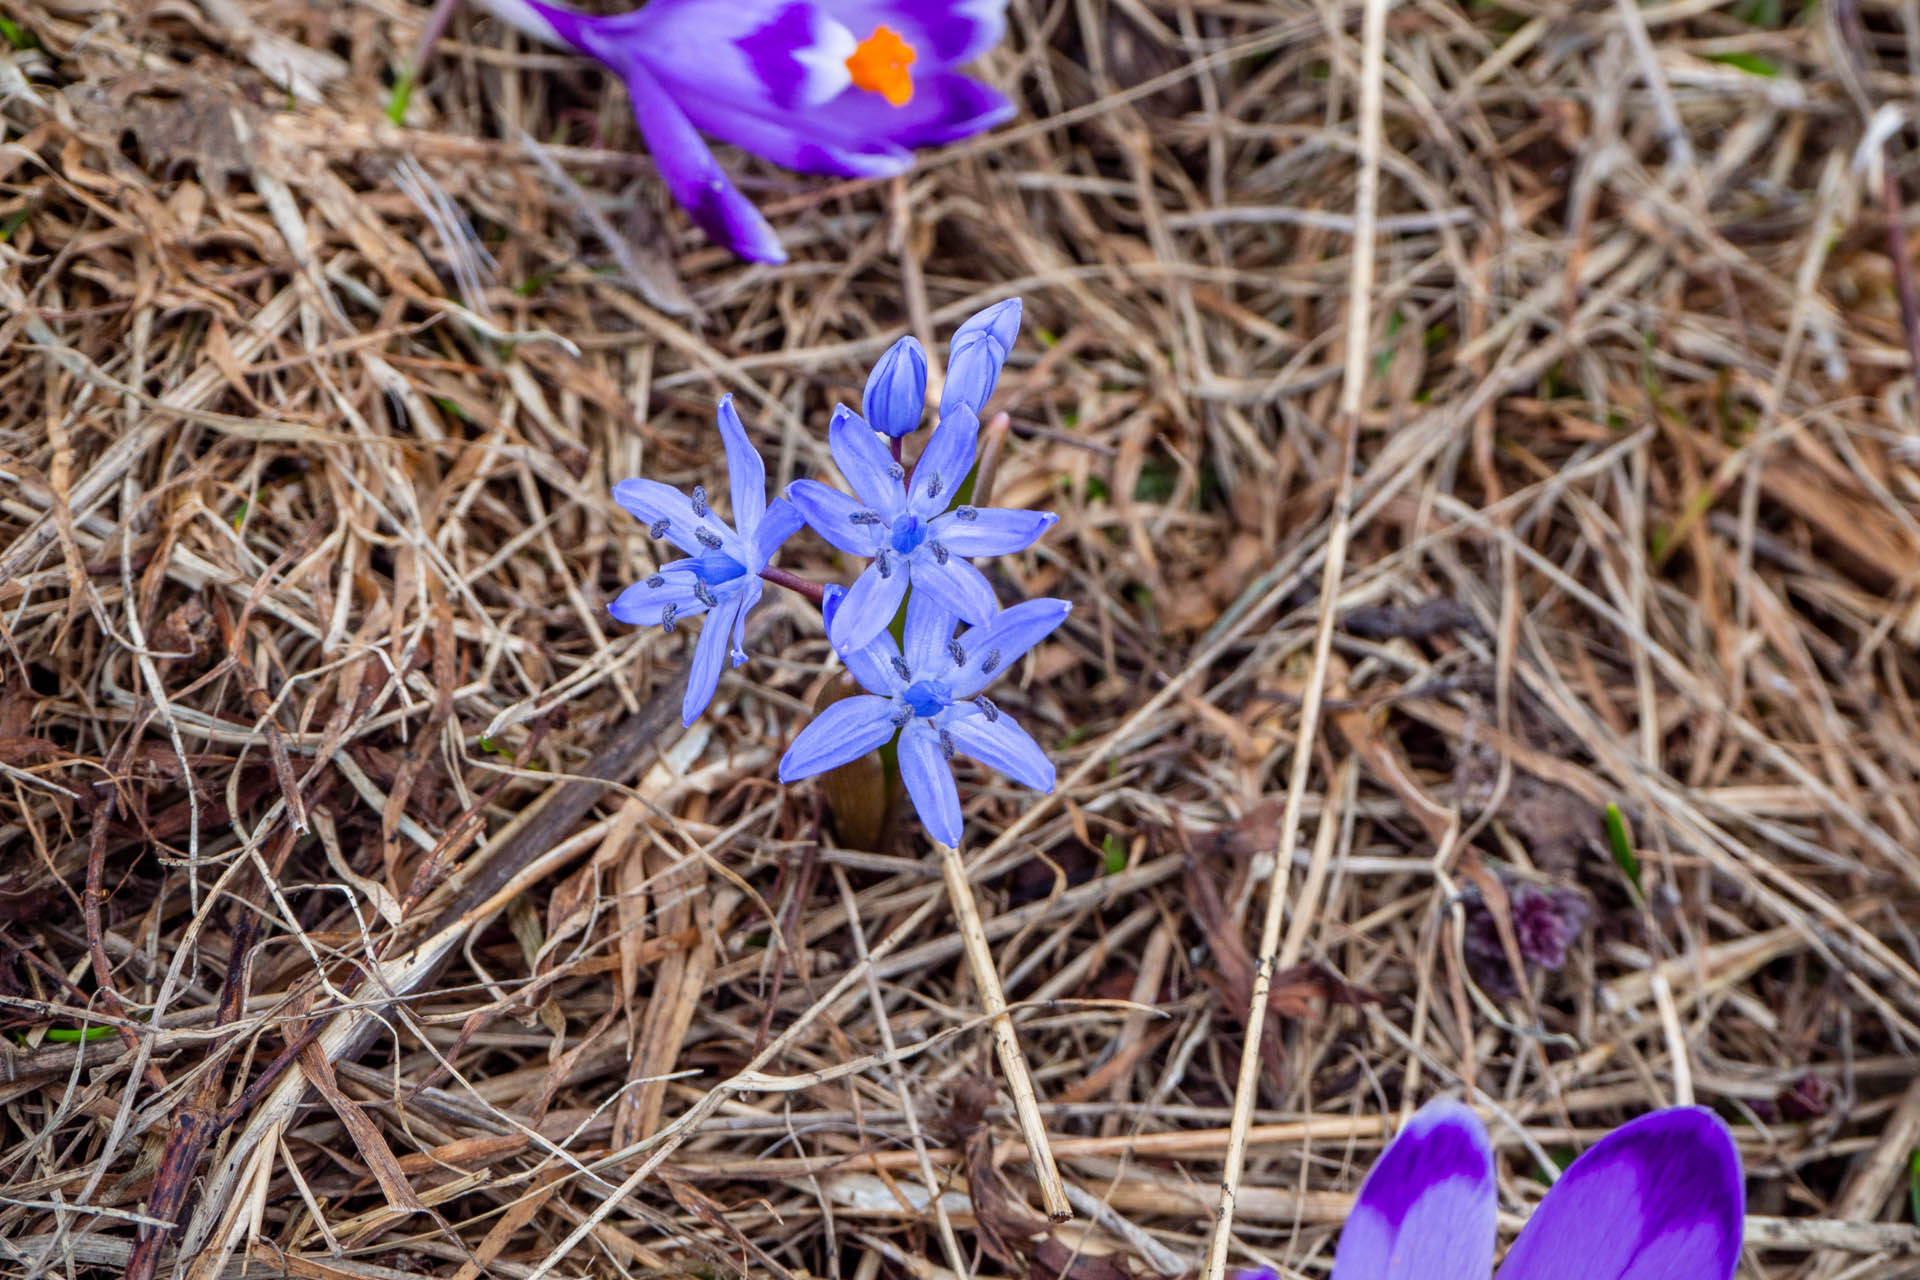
x: 846, y: 87
x: 721, y: 577
x: 931, y: 695
x: 903, y: 524
x: 1660, y: 1198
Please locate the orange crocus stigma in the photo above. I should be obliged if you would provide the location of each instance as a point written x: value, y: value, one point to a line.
x: 879, y: 65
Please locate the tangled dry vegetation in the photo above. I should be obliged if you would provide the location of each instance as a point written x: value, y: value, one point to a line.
x: 365, y: 912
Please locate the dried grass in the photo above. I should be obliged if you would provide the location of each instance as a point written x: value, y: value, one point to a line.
x: 411, y: 934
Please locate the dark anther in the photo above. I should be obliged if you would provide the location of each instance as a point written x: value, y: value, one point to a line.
x: 700, y: 501
x: 933, y: 485
x: 955, y: 652
x: 896, y: 471
x: 704, y: 593
x: 656, y: 582
x: 901, y: 715
x: 883, y: 564
x: 969, y: 514
x: 666, y: 617
x: 866, y: 517
x: 946, y: 744
x: 658, y: 528
x: 940, y: 553
x: 708, y: 539
x: 987, y: 708
x: 901, y: 669
x: 990, y: 662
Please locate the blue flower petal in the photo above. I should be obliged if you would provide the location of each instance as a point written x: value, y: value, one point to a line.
x: 992, y: 648
x: 959, y: 586
x: 928, y: 632
x: 864, y: 461
x: 997, y: 742
x: 896, y: 392
x: 781, y: 522
x: 642, y: 605
x: 870, y: 607
x: 663, y: 507
x: 746, y: 473
x: 703, y: 677
x: 944, y: 464
x: 990, y: 531
x: 979, y: 348
x: 829, y: 513
x: 844, y: 731
x: 929, y: 779
x: 749, y: 597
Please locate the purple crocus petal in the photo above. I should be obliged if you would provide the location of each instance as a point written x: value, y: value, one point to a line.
x: 979, y: 348
x: 870, y: 470
x: 787, y: 140
x: 1660, y: 1198
x: 749, y: 597
x: 943, y: 33
x: 829, y: 513
x: 1426, y: 1210
x: 746, y: 473
x: 958, y: 586
x: 990, y: 531
x: 928, y: 631
x: 691, y: 173
x: 642, y: 605
x: 781, y: 522
x: 944, y: 464
x: 870, y: 607
x: 992, y: 648
x: 997, y: 742
x: 844, y: 731
x: 896, y: 391
x: 945, y: 108
x: 798, y: 56
x: 651, y: 502
x: 930, y: 785
x: 704, y: 675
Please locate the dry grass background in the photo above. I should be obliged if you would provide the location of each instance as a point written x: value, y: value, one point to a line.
x: 307, y: 424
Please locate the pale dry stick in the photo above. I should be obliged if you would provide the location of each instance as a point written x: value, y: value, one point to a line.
x: 1353, y: 383
x: 1006, y: 1042
x: 1339, y: 795
x: 942, y: 1219
x: 1676, y: 1040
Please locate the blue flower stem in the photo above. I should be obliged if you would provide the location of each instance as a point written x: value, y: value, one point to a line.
x: 794, y: 582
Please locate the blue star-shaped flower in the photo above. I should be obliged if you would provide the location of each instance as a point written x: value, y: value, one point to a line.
x: 931, y: 695
x: 903, y: 523
x: 721, y: 577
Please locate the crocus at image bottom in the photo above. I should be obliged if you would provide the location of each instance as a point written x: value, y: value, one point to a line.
x: 1659, y: 1198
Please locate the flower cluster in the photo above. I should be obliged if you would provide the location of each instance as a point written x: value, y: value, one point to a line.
x: 844, y: 87
x: 919, y: 538
x: 1659, y: 1198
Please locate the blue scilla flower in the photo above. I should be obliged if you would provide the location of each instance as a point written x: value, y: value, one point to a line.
x: 979, y: 348
x: 930, y: 694
x: 903, y: 523
x: 721, y: 577
x: 896, y: 392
